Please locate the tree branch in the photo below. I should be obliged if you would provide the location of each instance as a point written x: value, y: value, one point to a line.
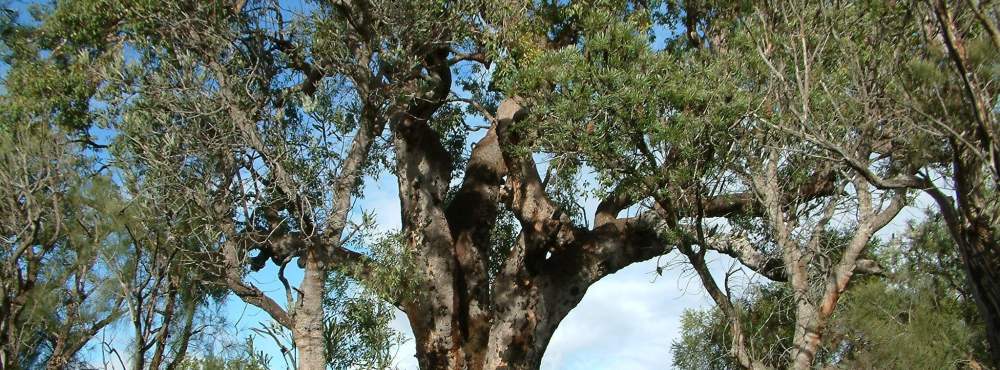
x: 254, y: 296
x: 539, y: 216
x: 609, y: 207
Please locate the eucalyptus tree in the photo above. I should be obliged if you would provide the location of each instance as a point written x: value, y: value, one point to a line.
x: 249, y: 128
x: 255, y: 132
x: 795, y: 77
x: 700, y: 152
x: 924, y: 79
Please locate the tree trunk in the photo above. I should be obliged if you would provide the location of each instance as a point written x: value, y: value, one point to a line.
x: 974, y: 229
x: 308, y: 317
x: 57, y: 362
x: 528, y: 300
x: 981, y: 255
x: 436, y: 319
x: 168, y: 315
x: 973, y: 225
x: 807, y: 337
x: 521, y: 325
x: 465, y: 316
x: 524, y: 324
x: 190, y: 309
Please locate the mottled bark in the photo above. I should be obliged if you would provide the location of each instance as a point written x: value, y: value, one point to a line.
x: 529, y: 300
x: 462, y: 317
x: 807, y: 338
x: 438, y: 312
x: 801, y: 246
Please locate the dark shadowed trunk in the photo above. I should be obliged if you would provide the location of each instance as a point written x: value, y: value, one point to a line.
x: 976, y: 169
x: 528, y: 302
x: 973, y: 227
x: 982, y: 257
x: 517, y: 331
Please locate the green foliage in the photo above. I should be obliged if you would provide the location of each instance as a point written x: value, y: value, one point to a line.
x: 613, y: 104
x: 42, y: 85
x: 701, y: 343
x: 768, y: 319
x: 230, y: 128
x: 62, y: 220
x: 358, y: 335
x: 387, y: 272
x: 918, y: 316
x: 503, y: 238
x: 922, y: 316
x: 245, y: 358
x: 216, y: 363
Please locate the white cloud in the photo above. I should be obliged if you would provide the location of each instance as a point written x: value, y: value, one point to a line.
x: 625, y: 321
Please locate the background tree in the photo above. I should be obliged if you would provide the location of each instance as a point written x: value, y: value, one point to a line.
x: 795, y: 78
x: 59, y: 208
x: 696, y: 148
x: 930, y: 98
x: 55, y: 294
x: 250, y: 132
x: 162, y: 293
x: 885, y: 320
x: 964, y: 127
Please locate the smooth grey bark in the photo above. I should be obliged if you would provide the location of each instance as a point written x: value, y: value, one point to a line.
x: 308, y: 317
